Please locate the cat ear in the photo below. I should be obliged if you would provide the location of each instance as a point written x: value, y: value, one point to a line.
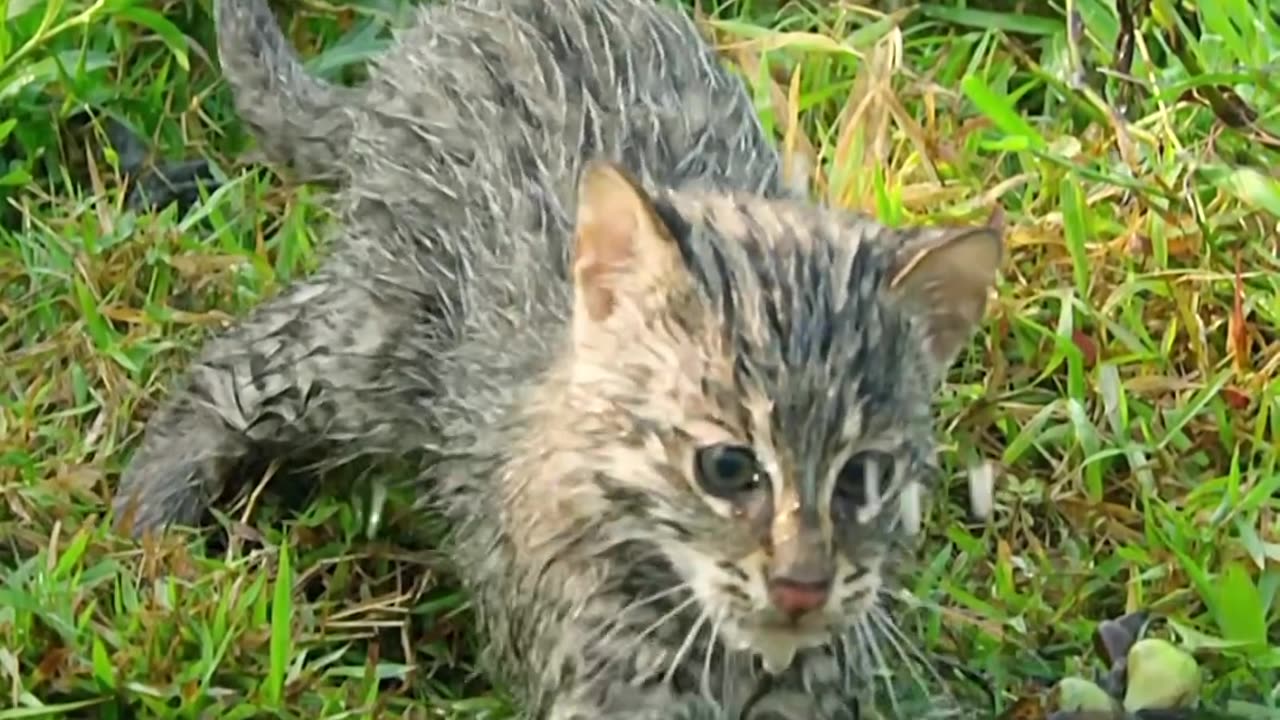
x: 945, y: 274
x: 622, y: 250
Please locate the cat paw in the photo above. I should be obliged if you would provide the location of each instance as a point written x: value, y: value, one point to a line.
x: 174, y: 476
x: 629, y: 703
x: 800, y: 706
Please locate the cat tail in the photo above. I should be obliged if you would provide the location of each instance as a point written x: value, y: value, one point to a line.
x: 299, y: 121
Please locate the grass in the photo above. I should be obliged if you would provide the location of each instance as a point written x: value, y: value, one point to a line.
x: 1125, y: 383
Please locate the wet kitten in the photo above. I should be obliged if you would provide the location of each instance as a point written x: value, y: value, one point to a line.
x: 681, y: 417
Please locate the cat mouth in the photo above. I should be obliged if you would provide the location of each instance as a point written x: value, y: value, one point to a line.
x: 776, y: 645
x: 803, y: 632
x: 774, y: 622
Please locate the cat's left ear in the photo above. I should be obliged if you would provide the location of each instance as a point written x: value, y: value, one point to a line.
x: 623, y: 252
x: 945, y: 275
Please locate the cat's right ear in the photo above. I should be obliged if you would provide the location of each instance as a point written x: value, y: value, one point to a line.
x: 945, y: 275
x: 622, y: 253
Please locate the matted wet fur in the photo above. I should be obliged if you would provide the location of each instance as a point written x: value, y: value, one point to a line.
x: 681, y: 416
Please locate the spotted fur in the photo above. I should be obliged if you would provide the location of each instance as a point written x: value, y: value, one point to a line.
x: 490, y: 304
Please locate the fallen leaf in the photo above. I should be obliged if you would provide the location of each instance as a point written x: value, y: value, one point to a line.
x: 1088, y: 347
x: 1237, y: 327
x: 1236, y: 398
x: 1027, y: 708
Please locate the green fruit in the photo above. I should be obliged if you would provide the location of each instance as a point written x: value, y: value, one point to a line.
x: 1075, y: 694
x: 1162, y: 676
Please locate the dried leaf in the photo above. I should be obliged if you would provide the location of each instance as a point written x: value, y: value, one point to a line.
x: 1238, y: 327
x: 1113, y: 638
x: 1027, y: 708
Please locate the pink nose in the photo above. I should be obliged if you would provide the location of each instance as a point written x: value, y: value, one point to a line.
x: 797, y: 598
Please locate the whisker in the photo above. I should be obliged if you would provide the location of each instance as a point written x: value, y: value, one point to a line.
x: 625, y: 653
x: 705, y: 685
x: 906, y: 647
x: 912, y: 646
x: 846, y: 661
x: 656, y: 596
x: 684, y: 647
x: 880, y: 624
x: 886, y: 674
x: 661, y: 621
x: 618, y: 622
x: 906, y: 597
x: 866, y: 679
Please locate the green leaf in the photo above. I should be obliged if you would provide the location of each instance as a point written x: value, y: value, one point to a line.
x: 1254, y: 188
x: 281, y: 627
x: 1075, y: 230
x: 71, y: 555
x: 161, y: 26
x: 987, y: 20
x: 1241, y: 615
x: 18, y: 8
x: 103, y: 669
x: 50, y: 711
x: 1000, y: 110
x: 37, y: 74
x: 1216, y: 20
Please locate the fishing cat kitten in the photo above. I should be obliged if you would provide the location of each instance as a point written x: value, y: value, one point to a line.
x: 680, y: 417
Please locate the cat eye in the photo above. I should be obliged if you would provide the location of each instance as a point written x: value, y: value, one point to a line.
x: 864, y: 478
x: 725, y: 470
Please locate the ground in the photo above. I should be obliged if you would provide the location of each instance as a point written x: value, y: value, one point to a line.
x: 1124, y: 385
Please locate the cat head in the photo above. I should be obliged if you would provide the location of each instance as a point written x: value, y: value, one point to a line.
x: 757, y: 377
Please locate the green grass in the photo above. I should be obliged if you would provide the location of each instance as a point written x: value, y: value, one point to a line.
x: 1125, y: 383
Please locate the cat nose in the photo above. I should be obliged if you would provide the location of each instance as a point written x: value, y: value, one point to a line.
x: 801, y: 569
x: 801, y: 572
x: 798, y: 597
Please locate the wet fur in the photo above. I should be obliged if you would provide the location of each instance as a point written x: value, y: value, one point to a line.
x: 440, y: 325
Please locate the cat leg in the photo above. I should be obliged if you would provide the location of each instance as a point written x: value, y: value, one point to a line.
x: 627, y: 702
x: 826, y: 704
x: 326, y: 365
x: 630, y: 689
x: 624, y: 701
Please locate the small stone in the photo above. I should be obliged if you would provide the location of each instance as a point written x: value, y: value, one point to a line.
x: 1075, y: 694
x: 1162, y: 676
